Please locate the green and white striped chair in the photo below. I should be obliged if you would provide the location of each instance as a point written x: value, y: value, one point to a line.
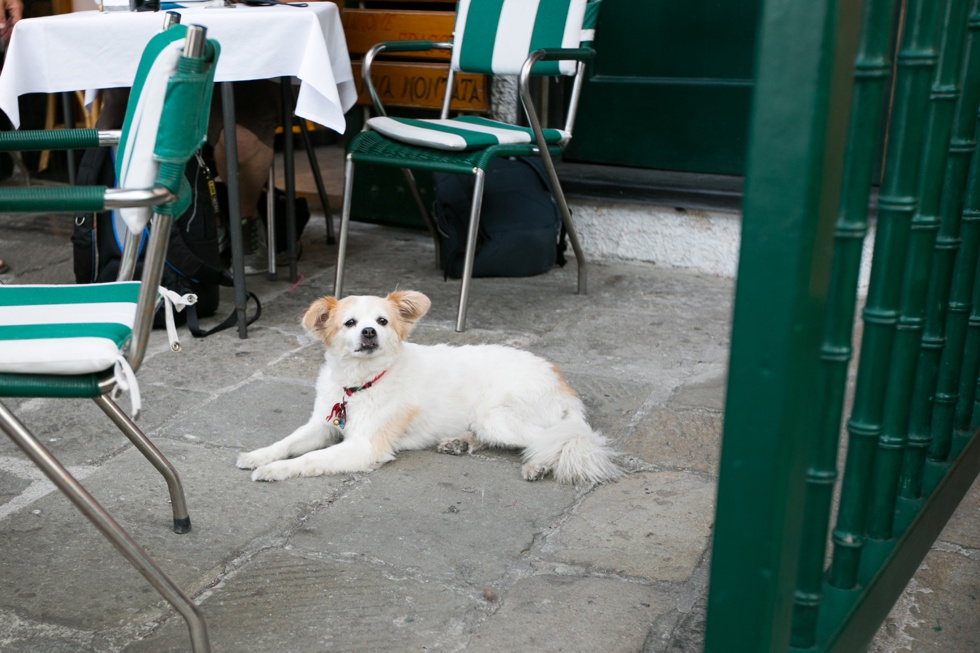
x: 88, y: 340
x: 493, y: 37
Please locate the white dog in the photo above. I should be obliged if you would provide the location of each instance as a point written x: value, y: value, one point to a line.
x: 377, y: 395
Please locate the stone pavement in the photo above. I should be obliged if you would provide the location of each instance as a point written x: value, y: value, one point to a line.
x: 429, y: 552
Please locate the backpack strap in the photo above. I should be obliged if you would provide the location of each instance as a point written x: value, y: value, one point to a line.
x: 94, y: 169
x: 194, y: 326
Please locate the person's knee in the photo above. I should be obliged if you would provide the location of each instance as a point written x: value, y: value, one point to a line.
x: 250, y: 145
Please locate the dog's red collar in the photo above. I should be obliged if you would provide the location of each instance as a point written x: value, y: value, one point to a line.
x: 358, y: 388
x: 339, y: 413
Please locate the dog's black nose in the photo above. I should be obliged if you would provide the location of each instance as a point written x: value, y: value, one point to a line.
x: 369, y: 333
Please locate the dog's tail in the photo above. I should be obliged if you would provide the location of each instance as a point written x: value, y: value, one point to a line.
x: 574, y: 453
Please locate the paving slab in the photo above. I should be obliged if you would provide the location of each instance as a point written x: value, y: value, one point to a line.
x: 461, y: 519
x: 652, y: 525
x: 938, y: 611
x: 688, y: 440
x: 229, y: 515
x: 570, y: 613
x: 289, y: 602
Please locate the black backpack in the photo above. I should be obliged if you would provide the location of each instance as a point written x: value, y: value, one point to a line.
x: 193, y: 264
x: 520, y: 233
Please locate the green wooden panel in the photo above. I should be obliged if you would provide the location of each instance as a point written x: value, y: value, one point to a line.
x: 670, y: 87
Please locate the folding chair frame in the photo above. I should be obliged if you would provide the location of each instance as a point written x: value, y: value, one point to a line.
x: 368, y: 147
x: 167, y: 200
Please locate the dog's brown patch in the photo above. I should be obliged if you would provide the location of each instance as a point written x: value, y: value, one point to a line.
x: 563, y: 386
x: 384, y: 440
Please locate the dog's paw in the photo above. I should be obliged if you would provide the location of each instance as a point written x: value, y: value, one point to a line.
x: 535, y: 472
x: 278, y: 470
x: 458, y: 446
x: 255, y: 459
x: 454, y: 447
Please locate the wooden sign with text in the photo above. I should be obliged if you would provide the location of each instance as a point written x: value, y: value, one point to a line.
x: 365, y: 28
x: 421, y: 85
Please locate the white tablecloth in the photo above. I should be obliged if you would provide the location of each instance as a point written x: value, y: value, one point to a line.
x: 92, y: 50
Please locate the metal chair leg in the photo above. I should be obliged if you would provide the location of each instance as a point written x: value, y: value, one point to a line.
x: 338, y: 284
x: 109, y: 528
x: 182, y: 521
x: 270, y: 223
x: 471, y: 234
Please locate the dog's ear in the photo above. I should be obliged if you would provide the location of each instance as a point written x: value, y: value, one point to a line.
x: 411, y: 305
x: 318, y: 313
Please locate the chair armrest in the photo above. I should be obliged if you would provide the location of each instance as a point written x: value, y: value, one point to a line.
x: 70, y: 199
x: 393, y: 46
x: 523, y: 82
x: 563, y: 54
x: 76, y: 199
x: 55, y: 139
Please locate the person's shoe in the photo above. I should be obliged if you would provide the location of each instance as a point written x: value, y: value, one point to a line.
x: 255, y: 246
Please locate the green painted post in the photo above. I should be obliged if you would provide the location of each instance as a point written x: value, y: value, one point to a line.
x: 966, y: 416
x: 872, y: 67
x: 793, y: 178
x: 961, y: 336
x: 896, y: 206
x: 922, y: 241
x: 961, y: 151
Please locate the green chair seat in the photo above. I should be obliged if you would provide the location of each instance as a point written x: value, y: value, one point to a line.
x: 460, y: 134
x: 374, y: 147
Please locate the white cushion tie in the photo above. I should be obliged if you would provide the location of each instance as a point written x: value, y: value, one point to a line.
x: 171, y: 301
x: 126, y: 381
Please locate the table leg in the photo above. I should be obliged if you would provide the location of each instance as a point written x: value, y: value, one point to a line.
x: 234, y: 206
x: 67, y: 110
x: 289, y: 172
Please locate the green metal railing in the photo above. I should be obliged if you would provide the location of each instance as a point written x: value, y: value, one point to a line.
x: 825, y: 84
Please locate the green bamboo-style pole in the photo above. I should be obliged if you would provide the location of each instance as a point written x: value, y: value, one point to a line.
x: 961, y: 151
x: 922, y: 242
x: 967, y: 418
x: 871, y: 71
x: 804, y: 65
x: 896, y: 206
x: 961, y: 297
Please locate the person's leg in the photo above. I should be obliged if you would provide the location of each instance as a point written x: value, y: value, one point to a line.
x: 256, y: 116
x: 254, y: 160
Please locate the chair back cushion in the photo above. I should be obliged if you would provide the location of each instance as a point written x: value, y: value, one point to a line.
x: 135, y: 164
x: 495, y: 36
x: 65, y: 329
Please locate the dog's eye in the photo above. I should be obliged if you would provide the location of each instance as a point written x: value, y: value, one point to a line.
x: 349, y: 323
x: 382, y: 321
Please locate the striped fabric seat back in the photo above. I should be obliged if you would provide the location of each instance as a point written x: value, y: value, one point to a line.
x: 495, y: 36
x: 65, y: 329
x: 135, y: 164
